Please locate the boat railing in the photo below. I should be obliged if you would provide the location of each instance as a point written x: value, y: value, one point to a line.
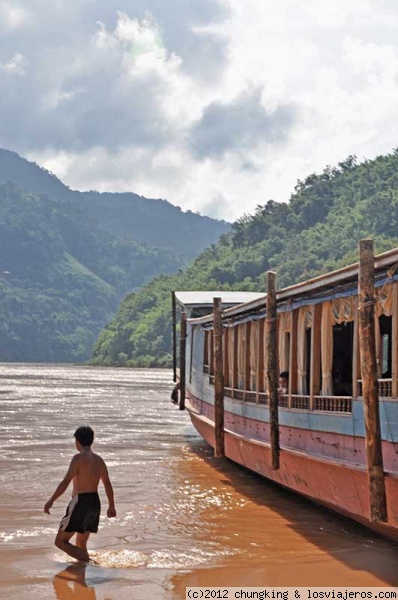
x: 262, y: 398
x: 333, y: 403
x: 247, y: 396
x: 283, y: 400
x: 342, y: 404
x: 384, y: 388
x: 300, y: 401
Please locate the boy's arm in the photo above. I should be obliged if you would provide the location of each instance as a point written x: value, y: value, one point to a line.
x: 72, y: 471
x: 111, y: 512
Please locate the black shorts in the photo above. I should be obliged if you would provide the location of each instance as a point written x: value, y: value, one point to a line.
x: 82, y: 514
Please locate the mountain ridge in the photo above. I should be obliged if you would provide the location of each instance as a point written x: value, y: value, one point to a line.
x: 122, y: 213
x: 64, y: 270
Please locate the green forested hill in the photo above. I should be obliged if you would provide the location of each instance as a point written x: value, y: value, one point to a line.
x: 67, y: 258
x: 61, y: 278
x: 316, y: 231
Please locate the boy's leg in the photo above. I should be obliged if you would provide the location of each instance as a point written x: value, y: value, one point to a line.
x: 82, y: 539
x: 62, y: 542
x: 81, y: 542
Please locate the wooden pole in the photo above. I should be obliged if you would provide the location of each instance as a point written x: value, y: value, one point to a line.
x: 183, y: 341
x: 377, y: 492
x: 218, y: 379
x: 272, y: 369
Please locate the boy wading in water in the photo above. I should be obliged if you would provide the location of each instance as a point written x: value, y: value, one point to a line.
x: 86, y: 470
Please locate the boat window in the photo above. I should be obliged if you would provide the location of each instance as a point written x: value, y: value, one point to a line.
x: 308, y: 360
x: 342, y: 359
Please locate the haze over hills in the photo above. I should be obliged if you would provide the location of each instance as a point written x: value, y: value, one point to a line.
x: 67, y: 258
x: 149, y: 221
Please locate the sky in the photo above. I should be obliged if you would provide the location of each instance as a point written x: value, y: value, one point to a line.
x: 215, y: 105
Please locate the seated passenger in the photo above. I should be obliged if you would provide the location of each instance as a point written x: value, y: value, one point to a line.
x: 283, y: 385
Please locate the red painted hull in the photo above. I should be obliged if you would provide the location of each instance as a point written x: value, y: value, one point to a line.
x: 338, y: 485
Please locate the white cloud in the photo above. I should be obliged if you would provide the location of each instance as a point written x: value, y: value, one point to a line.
x: 217, y: 105
x: 16, y: 65
x: 377, y: 62
x: 12, y: 17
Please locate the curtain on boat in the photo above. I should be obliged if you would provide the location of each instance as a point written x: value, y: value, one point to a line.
x: 343, y: 310
x: 254, y: 339
x: 265, y: 354
x: 241, y: 355
x: 231, y: 355
x: 384, y: 296
x: 302, y: 351
x: 226, y: 332
x: 327, y: 348
x: 284, y: 328
x: 260, y: 352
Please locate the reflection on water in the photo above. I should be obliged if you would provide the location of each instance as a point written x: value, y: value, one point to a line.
x: 184, y: 517
x: 70, y: 583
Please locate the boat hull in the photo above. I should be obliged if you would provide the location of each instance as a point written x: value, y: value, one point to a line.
x: 337, y: 485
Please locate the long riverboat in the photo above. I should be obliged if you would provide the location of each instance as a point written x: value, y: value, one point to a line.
x: 323, y: 440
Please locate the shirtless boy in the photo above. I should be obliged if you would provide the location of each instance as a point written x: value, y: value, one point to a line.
x: 86, y: 470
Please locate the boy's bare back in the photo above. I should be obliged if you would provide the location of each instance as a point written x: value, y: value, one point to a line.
x: 88, y: 469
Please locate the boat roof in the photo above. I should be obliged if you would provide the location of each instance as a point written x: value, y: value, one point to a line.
x: 320, y: 285
x: 205, y: 299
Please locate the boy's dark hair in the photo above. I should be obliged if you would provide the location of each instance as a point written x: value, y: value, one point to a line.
x: 84, y: 435
x: 284, y: 375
